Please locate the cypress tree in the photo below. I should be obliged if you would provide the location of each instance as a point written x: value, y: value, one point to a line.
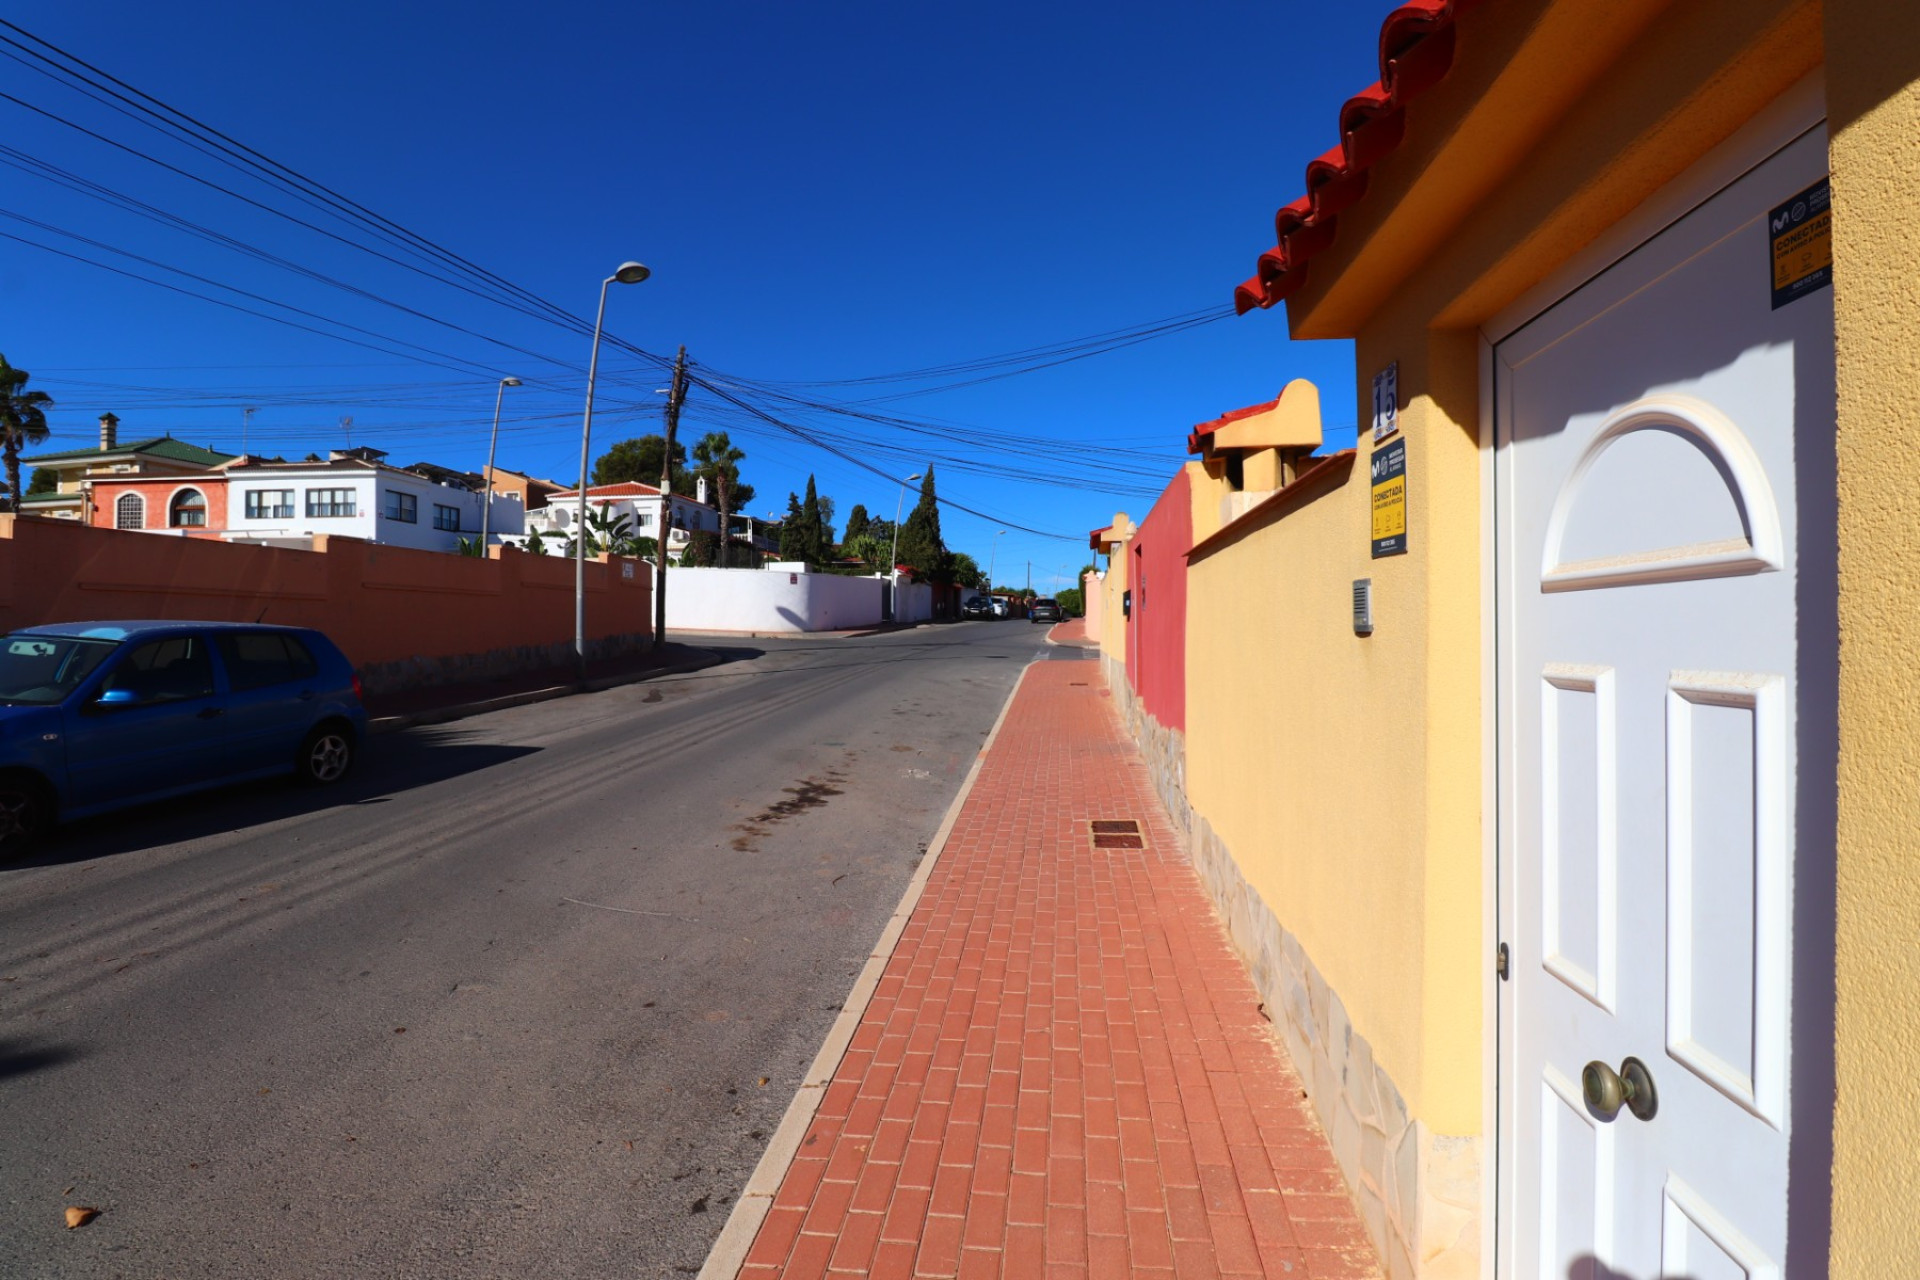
x: 792, y: 535
x: 920, y: 542
x: 812, y: 526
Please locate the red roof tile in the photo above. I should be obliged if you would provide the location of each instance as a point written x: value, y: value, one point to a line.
x: 622, y: 489
x: 1416, y: 50
x: 1198, y: 437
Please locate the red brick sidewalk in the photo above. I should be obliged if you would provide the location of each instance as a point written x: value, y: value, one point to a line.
x: 1073, y: 631
x: 1063, y: 1072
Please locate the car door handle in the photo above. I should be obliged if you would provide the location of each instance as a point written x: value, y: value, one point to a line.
x: 208, y: 713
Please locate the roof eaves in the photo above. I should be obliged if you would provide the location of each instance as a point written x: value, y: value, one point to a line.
x: 1416, y: 51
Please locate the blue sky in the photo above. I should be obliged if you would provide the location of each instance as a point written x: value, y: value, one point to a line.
x: 824, y: 193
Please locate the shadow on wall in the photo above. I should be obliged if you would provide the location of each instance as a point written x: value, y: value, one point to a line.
x: 388, y: 765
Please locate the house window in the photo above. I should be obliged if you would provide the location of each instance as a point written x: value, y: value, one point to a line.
x: 322, y: 503
x: 446, y: 517
x: 270, y: 504
x: 403, y: 507
x: 130, y: 512
x: 188, y: 510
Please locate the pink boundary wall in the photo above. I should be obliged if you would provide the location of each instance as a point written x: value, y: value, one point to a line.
x: 1157, y: 628
x: 403, y: 617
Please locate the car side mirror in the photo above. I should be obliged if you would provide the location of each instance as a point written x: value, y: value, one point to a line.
x: 112, y: 699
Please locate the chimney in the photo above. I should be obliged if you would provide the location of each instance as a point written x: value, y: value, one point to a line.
x: 109, y: 432
x: 700, y: 490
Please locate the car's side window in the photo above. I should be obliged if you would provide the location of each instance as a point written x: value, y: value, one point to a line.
x: 301, y: 662
x: 256, y: 660
x: 170, y: 670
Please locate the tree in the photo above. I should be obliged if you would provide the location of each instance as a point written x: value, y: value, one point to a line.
x: 826, y: 525
x: 815, y: 534
x: 23, y: 421
x: 536, y: 544
x: 720, y: 465
x: 43, y: 480
x: 793, y: 542
x: 870, y: 548
x: 856, y: 524
x: 640, y: 460
x: 966, y: 571
x: 920, y: 543
x: 702, y: 549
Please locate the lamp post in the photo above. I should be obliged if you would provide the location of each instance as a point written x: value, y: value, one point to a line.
x: 893, y: 557
x: 486, y: 502
x: 628, y: 273
x: 991, y: 557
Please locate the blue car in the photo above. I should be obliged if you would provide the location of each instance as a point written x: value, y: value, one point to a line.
x: 100, y: 715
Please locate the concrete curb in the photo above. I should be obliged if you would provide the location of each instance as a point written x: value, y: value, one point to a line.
x: 729, y: 1252
x: 881, y: 630
x: 461, y: 710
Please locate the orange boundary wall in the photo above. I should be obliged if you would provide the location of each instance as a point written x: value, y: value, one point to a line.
x: 403, y: 617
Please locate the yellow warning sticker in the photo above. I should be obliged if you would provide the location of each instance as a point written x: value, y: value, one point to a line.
x: 1389, y: 476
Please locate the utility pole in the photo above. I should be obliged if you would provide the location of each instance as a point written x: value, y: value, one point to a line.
x: 676, y: 396
x: 246, y: 421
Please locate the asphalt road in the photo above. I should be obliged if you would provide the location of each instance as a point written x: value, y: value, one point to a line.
x: 523, y: 998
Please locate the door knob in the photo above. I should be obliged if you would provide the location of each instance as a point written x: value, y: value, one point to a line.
x: 1608, y: 1090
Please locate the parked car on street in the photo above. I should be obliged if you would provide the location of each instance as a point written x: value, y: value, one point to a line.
x: 1044, y: 610
x: 1002, y: 609
x: 100, y: 715
x: 977, y: 607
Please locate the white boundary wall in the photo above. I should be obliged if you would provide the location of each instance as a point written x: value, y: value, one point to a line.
x: 774, y: 600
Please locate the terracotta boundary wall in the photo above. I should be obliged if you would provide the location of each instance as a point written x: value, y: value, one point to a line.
x: 1157, y: 629
x: 404, y: 617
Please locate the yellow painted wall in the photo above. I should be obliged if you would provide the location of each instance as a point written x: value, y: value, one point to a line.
x: 1327, y: 762
x: 1873, y: 64
x: 1113, y: 622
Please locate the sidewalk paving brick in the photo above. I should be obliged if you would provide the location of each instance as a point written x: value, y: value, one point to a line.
x: 1064, y: 1071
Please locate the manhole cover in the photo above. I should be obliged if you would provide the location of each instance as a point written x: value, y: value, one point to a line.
x: 1119, y: 842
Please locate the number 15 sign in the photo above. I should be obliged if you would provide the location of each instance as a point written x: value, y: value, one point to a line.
x: 1386, y: 402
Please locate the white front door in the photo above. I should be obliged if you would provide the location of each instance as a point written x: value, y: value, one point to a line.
x: 1652, y: 657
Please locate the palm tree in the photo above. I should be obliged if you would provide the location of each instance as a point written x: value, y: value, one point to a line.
x: 23, y: 421
x: 721, y: 461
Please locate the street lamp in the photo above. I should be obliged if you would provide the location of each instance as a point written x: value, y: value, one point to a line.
x: 486, y: 503
x: 893, y: 557
x: 628, y: 273
x: 991, y: 557
x: 893, y: 560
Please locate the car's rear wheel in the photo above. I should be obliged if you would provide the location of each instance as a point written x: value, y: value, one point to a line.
x: 326, y: 756
x: 26, y: 812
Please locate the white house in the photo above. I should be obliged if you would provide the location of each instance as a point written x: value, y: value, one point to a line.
x: 643, y: 504
x: 354, y: 494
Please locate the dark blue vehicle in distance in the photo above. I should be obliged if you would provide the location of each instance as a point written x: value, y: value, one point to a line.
x: 100, y: 715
